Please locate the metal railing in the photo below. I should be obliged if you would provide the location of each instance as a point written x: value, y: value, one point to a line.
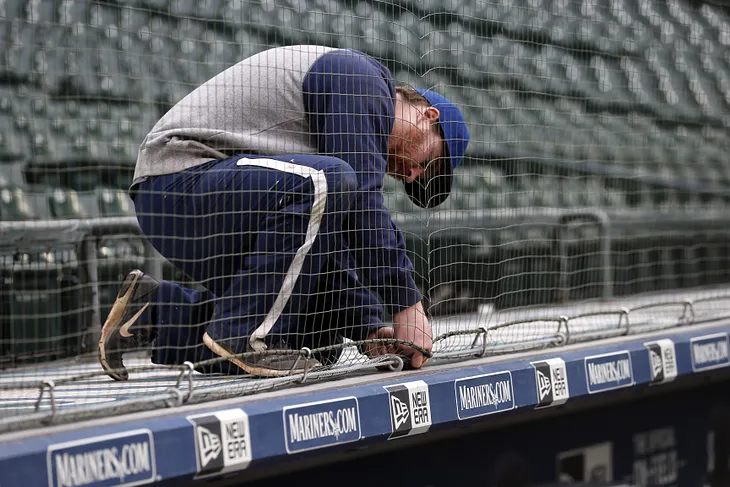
x: 480, y: 341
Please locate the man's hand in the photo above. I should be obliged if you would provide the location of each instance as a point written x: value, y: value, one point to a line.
x: 412, y: 325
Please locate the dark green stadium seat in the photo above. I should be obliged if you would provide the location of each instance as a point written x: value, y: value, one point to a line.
x: 31, y: 328
x: 404, y: 30
x: 183, y: 8
x: 64, y: 203
x: 544, y: 198
x: 14, y: 204
x: 114, y: 202
x: 50, y: 148
x: 16, y: 61
x: 344, y: 30
x: 115, y: 82
x: 515, y: 284
x: 14, y: 145
x: 161, y: 5
x: 377, y: 35
x: 103, y: 15
x: 60, y: 203
x: 518, y: 198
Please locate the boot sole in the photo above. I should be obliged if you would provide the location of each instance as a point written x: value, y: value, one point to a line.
x: 253, y: 370
x: 111, y: 325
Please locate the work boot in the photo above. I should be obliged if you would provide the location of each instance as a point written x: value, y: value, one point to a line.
x: 121, y: 332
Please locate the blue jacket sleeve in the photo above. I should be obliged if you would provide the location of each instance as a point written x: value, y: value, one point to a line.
x: 350, y: 104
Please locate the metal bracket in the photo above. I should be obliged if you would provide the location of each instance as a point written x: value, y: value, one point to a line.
x: 178, y: 400
x: 397, y: 364
x: 307, y: 355
x: 601, y: 220
x: 625, y: 313
x: 483, y: 334
x: 188, y: 369
x: 565, y: 336
x: 687, y: 320
x: 51, y: 386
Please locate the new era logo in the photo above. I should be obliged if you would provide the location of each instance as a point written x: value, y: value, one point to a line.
x: 410, y: 408
x: 399, y: 410
x: 210, y: 445
x: 543, y: 384
x: 662, y: 362
x: 551, y: 380
x: 657, y: 369
x: 222, y: 441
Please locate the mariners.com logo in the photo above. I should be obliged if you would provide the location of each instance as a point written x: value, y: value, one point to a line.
x: 410, y: 408
x: 222, y: 441
x: 321, y: 424
x: 114, y: 460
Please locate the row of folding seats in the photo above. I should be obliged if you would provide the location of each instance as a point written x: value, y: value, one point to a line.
x: 136, y: 56
x: 680, y: 78
x: 515, y: 264
x: 40, y: 313
x: 686, y: 75
x: 74, y: 137
x: 22, y: 204
x: 675, y: 81
x: 44, y: 310
x: 516, y: 124
x: 474, y: 189
x: 56, y: 131
x: 610, y: 26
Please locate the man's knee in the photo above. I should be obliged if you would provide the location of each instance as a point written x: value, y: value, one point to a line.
x: 341, y: 178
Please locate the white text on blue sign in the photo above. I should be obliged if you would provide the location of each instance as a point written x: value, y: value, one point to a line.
x: 710, y: 351
x: 113, y: 460
x: 321, y: 424
x: 484, y: 394
x: 609, y: 371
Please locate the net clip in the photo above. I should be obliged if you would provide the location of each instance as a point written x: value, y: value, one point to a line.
x: 397, y: 364
x: 564, y: 336
x: 624, y: 315
x: 307, y: 352
x: 177, y: 399
x: 188, y: 370
x: 51, y: 386
x: 688, y: 314
x: 481, y: 333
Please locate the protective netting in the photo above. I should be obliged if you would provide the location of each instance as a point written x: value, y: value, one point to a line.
x: 592, y: 201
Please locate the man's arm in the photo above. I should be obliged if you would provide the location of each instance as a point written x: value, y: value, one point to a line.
x: 350, y: 104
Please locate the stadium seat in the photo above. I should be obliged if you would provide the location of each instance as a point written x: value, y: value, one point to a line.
x: 16, y: 61
x: 183, y: 8
x: 14, y: 204
x: 65, y: 203
x: 32, y: 330
x: 114, y: 202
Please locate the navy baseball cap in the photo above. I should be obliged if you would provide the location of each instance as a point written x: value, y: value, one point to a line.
x: 434, y: 191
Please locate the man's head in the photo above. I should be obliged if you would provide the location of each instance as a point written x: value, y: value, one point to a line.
x: 427, y: 143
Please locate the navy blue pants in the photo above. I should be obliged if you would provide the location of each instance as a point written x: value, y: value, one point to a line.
x: 264, y: 238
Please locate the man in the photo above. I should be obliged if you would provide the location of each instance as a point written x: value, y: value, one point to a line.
x: 265, y: 186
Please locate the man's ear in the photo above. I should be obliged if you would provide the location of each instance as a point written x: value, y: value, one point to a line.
x: 432, y: 114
